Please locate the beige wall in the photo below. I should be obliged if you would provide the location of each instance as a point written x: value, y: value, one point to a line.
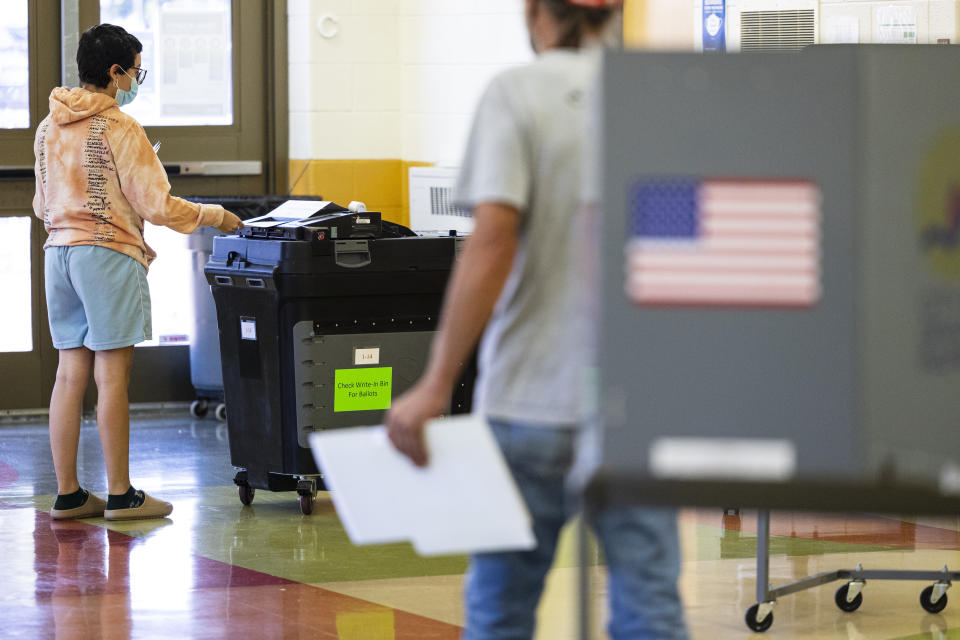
x: 394, y: 78
x: 393, y: 83
x: 450, y: 50
x: 344, y: 89
x: 666, y: 24
x: 379, y: 85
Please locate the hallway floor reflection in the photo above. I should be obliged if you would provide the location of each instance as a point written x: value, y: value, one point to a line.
x: 218, y: 569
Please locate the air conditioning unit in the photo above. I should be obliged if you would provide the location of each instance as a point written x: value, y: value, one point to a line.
x: 431, y: 201
x: 760, y: 25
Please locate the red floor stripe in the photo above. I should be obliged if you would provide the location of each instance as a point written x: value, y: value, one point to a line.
x: 79, y: 566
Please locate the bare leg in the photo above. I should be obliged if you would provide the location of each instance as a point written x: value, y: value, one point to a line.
x: 66, y: 408
x: 111, y: 370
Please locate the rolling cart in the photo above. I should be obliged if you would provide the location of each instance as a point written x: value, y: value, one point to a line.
x: 849, y: 597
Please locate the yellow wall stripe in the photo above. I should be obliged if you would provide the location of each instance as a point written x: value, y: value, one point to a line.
x: 634, y: 24
x: 382, y: 185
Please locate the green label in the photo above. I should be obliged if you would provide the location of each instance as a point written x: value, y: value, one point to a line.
x: 362, y: 389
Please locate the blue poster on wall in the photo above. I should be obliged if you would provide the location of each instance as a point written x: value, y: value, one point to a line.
x: 714, y: 19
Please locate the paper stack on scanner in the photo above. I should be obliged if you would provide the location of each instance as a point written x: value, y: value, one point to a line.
x: 464, y: 501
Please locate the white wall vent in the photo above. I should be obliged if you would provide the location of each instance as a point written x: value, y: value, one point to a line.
x: 777, y: 30
x: 431, y: 201
x: 441, y: 203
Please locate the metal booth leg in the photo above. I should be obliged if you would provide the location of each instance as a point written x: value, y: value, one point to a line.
x: 759, y: 617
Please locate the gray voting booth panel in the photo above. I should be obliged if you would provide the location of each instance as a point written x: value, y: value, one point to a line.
x: 852, y: 401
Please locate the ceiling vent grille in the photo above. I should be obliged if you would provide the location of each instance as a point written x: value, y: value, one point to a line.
x: 785, y: 30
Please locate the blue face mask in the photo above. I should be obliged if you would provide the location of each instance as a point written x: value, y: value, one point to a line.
x: 126, y: 97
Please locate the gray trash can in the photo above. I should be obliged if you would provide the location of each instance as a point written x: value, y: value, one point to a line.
x: 206, y: 374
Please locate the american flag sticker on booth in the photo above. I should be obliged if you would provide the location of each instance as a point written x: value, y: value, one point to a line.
x: 722, y: 242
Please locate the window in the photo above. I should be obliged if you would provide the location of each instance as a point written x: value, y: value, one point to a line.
x: 16, y: 321
x: 187, y: 52
x: 171, y: 279
x: 15, y: 71
x: 187, y: 48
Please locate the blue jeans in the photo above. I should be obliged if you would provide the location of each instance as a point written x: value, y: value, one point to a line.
x: 640, y: 544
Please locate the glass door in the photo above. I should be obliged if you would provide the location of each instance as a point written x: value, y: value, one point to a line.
x: 215, y: 95
x: 27, y: 74
x: 16, y: 283
x: 204, y: 100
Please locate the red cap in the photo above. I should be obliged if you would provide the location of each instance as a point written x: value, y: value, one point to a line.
x: 596, y: 4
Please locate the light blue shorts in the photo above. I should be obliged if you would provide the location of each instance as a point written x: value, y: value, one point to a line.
x: 96, y: 297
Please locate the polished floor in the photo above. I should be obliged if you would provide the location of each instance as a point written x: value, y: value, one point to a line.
x: 218, y: 569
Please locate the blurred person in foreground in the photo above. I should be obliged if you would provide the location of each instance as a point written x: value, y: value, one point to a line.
x: 98, y: 179
x: 519, y: 282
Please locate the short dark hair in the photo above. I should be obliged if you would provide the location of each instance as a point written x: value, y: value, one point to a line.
x: 102, y: 46
x: 577, y: 20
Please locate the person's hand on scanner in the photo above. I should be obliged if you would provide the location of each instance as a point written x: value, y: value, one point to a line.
x: 230, y: 223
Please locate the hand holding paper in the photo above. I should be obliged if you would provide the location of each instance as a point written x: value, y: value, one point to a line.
x: 464, y: 501
x: 407, y: 418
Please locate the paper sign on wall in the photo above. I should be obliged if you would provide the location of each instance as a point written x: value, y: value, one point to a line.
x: 896, y: 25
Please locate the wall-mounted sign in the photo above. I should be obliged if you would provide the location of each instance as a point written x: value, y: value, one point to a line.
x: 714, y: 25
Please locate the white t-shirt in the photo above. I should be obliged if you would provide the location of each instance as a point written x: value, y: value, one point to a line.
x: 525, y: 150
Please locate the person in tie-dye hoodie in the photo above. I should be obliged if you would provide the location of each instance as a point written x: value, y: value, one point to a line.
x: 98, y: 179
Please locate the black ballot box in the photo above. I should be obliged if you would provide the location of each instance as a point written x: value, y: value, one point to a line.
x: 323, y: 321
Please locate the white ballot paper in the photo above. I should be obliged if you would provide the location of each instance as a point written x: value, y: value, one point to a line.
x: 298, y: 209
x: 464, y: 501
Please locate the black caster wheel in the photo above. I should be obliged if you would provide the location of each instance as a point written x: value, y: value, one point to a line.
x: 198, y: 408
x: 840, y: 597
x: 307, y: 490
x: 306, y: 503
x: 246, y: 493
x: 932, y: 607
x: 751, y: 620
x: 221, y: 412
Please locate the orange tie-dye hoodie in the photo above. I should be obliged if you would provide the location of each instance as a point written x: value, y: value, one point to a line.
x: 98, y: 178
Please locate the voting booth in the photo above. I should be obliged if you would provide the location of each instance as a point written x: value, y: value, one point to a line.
x: 780, y: 314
